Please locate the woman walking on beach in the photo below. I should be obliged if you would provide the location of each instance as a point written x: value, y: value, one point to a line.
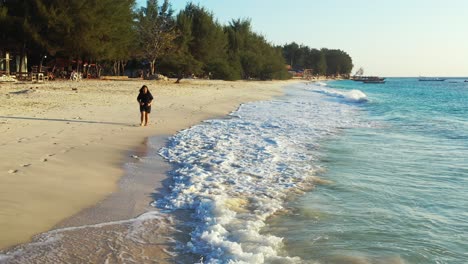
x: 145, y: 99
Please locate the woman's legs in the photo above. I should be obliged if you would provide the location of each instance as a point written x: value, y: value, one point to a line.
x: 146, y: 118
x: 143, y: 113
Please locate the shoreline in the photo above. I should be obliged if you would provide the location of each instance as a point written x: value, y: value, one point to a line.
x: 221, y: 105
x: 135, y: 192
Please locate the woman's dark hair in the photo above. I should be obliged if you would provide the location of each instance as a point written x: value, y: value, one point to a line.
x: 143, y: 87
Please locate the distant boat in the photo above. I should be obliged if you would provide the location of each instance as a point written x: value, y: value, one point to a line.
x: 369, y: 79
x: 431, y: 79
x: 374, y: 81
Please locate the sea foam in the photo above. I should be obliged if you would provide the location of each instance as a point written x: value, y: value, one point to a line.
x: 125, y: 241
x: 353, y: 96
x: 235, y: 173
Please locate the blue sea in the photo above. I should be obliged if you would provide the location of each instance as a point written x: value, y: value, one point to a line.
x: 335, y: 172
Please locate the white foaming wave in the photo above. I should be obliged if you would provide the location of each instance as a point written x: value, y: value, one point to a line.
x: 353, y: 96
x: 236, y: 173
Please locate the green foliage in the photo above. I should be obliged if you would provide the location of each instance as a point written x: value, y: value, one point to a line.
x: 229, y: 52
x: 189, y: 43
x: 322, y: 62
x: 252, y: 54
x: 338, y: 62
x: 156, y: 31
x: 74, y: 28
x: 316, y: 60
x: 292, y: 55
x: 208, y: 43
x: 14, y: 16
x: 181, y: 63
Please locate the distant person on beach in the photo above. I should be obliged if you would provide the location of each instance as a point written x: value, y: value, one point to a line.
x: 145, y: 99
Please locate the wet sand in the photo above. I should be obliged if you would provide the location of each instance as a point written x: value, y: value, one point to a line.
x: 142, y: 183
x: 121, y: 228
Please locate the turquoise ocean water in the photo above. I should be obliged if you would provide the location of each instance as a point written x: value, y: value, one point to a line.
x: 398, y: 190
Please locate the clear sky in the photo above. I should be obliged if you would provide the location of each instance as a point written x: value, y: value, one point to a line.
x: 385, y: 37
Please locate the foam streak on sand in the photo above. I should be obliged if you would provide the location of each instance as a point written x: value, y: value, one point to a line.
x: 144, y: 239
x: 235, y: 173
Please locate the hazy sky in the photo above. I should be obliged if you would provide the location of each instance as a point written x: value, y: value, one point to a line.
x: 385, y: 37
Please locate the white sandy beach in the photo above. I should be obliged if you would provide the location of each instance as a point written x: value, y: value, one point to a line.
x: 63, y: 143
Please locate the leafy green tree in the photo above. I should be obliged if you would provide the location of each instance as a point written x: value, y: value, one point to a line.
x: 322, y: 62
x: 14, y: 21
x: 181, y: 63
x: 291, y: 53
x: 239, y: 33
x: 156, y: 31
x: 81, y: 29
x: 209, y: 42
x: 338, y: 62
x: 315, y: 60
x: 251, y: 52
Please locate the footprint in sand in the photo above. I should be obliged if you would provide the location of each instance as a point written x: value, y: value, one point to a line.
x: 26, y: 165
x: 12, y: 171
x: 44, y: 160
x: 51, y: 155
x: 68, y: 149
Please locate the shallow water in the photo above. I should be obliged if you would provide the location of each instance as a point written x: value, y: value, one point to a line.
x: 399, y: 189
x: 234, y: 174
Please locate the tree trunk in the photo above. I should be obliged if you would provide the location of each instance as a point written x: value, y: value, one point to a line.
x: 115, y: 68
x: 153, y: 66
x: 77, y: 65
x: 179, y: 78
x: 40, y: 65
x: 86, y: 70
x: 98, y: 71
x: 7, y: 63
x: 123, y: 63
x: 21, y: 58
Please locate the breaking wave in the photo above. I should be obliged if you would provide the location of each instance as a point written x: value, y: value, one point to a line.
x: 236, y: 173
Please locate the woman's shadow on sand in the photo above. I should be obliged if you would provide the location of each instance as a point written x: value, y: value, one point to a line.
x: 67, y: 120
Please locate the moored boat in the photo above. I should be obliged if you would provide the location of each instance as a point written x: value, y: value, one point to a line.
x: 375, y: 81
x: 431, y: 79
x: 369, y: 79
